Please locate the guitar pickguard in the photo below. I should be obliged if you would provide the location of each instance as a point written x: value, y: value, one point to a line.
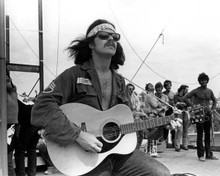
x: 108, y: 146
x: 110, y: 135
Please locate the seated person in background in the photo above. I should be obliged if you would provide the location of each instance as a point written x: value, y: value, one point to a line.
x: 153, y: 108
x: 136, y: 109
x: 168, y: 85
x: 135, y: 102
x: 164, y: 98
x: 51, y: 169
x: 178, y: 100
x: 152, y: 105
x: 142, y: 96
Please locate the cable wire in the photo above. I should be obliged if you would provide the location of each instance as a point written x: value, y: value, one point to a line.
x: 31, y: 47
x: 147, y: 55
x: 132, y: 46
x: 143, y: 61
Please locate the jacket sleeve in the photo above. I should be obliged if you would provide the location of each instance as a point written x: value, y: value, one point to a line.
x: 46, y: 112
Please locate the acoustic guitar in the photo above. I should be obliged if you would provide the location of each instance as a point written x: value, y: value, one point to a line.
x: 115, y: 128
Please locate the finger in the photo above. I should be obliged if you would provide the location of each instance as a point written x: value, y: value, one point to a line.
x: 178, y: 124
x: 179, y: 120
x: 97, y: 149
x: 172, y: 123
x: 175, y: 124
x: 137, y: 117
x: 99, y: 144
x: 94, y: 150
x: 145, y: 116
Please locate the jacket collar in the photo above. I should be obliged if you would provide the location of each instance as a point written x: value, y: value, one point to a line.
x: 88, y: 65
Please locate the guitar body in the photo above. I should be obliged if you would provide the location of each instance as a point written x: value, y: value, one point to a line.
x: 73, y: 160
x: 197, y: 114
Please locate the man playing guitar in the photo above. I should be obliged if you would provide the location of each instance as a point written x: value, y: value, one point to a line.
x: 202, y: 96
x: 94, y: 82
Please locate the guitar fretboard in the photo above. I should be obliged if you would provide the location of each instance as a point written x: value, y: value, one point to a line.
x: 145, y: 124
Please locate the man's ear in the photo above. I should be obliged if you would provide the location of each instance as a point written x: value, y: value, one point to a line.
x: 91, y: 45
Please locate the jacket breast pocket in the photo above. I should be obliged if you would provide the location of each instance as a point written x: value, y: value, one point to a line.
x: 85, y: 90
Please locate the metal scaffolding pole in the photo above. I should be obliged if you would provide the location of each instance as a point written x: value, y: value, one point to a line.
x: 41, y: 57
x: 5, y: 62
x: 3, y: 112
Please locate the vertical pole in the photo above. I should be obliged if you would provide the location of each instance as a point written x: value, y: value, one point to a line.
x: 3, y: 112
x: 7, y: 40
x: 41, y: 59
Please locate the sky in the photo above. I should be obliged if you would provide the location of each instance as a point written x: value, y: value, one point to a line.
x: 162, y: 39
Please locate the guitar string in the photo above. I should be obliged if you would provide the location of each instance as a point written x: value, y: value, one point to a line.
x: 115, y: 131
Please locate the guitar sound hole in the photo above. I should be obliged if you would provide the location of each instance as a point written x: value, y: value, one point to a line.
x: 111, y: 131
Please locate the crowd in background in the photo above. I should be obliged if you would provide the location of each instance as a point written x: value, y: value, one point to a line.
x: 154, y: 103
x: 159, y: 101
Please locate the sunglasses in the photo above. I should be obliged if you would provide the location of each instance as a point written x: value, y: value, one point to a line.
x: 105, y: 36
x: 130, y: 88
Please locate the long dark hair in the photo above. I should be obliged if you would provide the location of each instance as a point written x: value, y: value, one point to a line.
x: 80, y: 51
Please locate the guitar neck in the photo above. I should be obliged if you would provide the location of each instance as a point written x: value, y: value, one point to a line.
x: 145, y: 124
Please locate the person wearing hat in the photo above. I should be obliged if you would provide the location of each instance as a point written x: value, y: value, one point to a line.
x: 202, y: 96
x: 93, y: 81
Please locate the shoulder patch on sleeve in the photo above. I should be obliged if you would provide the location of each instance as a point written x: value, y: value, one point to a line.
x: 50, y: 88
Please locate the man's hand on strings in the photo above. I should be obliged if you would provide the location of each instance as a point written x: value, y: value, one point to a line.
x: 89, y: 142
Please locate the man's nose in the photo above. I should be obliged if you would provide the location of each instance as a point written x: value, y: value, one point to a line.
x: 110, y: 37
